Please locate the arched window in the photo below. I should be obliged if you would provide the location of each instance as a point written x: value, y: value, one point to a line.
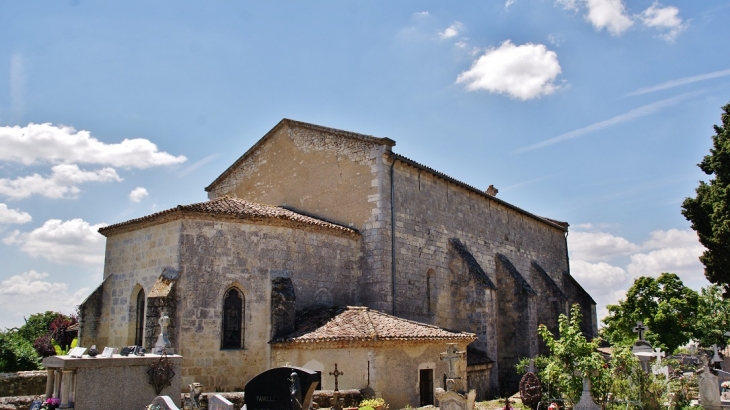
x: 139, y: 316
x: 232, y: 337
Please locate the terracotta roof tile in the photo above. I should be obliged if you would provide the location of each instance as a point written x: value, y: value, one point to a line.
x: 235, y: 208
x: 354, y: 323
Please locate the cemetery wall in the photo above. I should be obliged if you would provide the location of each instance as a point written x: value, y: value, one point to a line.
x: 390, y: 369
x: 322, y: 265
x: 335, y: 175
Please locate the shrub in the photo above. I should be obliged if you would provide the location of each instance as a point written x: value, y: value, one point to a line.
x: 16, y: 353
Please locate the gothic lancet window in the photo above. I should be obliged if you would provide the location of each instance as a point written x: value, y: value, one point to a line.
x: 139, y: 315
x: 232, y: 337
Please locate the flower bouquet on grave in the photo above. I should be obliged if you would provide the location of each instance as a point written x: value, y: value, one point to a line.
x: 725, y: 386
x: 51, y: 403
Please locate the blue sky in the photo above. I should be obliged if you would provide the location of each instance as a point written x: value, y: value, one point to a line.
x: 594, y: 112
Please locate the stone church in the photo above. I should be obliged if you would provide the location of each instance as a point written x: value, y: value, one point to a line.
x: 321, y: 246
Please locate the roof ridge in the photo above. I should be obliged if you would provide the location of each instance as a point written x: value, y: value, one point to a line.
x: 237, y: 208
x: 371, y: 326
x: 286, y: 121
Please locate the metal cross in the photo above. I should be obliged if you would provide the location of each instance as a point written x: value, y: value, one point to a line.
x: 337, y: 374
x: 640, y: 328
x: 451, y: 355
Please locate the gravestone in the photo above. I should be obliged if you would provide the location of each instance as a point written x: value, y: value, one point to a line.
x: 164, y: 403
x: 275, y: 389
x: 586, y: 401
x: 709, y: 388
x: 163, y: 341
x: 452, y: 400
x: 218, y: 402
x: 658, y: 368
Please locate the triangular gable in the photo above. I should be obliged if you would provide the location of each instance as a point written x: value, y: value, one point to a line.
x: 297, y: 124
x: 474, y: 268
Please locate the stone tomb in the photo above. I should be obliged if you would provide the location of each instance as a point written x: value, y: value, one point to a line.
x: 164, y: 403
x: 709, y: 388
x: 281, y: 388
x: 120, y: 383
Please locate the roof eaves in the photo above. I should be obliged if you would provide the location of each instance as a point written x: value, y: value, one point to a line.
x: 563, y: 226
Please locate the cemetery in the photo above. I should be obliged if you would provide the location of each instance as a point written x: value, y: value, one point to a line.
x: 577, y: 374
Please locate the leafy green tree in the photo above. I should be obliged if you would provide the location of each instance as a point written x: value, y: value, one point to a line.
x: 664, y: 305
x: 713, y: 317
x: 37, y: 325
x: 17, y: 353
x: 709, y: 211
x: 572, y: 357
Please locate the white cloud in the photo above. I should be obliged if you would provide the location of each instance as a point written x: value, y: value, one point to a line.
x: 608, y: 14
x: 665, y: 19
x: 61, y: 184
x: 509, y: 3
x: 568, y: 4
x: 451, y: 31
x: 72, y: 242
x: 138, y: 194
x: 12, y: 216
x: 673, y: 250
x: 683, y: 261
x: 525, y: 72
x: 461, y: 44
x: 29, y: 293
x: 588, y: 246
x: 673, y: 238
x: 46, y: 143
x: 28, y: 284
x: 599, y: 275
x: 420, y: 14
x: 556, y: 40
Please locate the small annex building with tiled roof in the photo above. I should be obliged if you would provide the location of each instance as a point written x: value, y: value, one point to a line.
x: 393, y: 351
x: 311, y: 218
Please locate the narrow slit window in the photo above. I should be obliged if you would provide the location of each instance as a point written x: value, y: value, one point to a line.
x: 232, y: 320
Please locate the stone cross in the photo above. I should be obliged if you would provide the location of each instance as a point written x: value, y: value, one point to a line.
x: 658, y: 368
x: 715, y: 356
x: 163, y: 341
x: 640, y: 328
x: 658, y: 354
x: 531, y: 367
x: 337, y: 374
x: 692, y: 349
x: 451, y: 355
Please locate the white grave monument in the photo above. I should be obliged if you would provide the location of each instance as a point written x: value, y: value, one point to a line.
x: 709, y: 388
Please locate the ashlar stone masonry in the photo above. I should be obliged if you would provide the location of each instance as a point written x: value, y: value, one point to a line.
x: 312, y: 216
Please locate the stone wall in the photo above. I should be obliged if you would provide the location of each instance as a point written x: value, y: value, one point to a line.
x: 429, y: 212
x: 321, y: 265
x: 330, y: 174
x: 23, y: 383
x: 134, y: 260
